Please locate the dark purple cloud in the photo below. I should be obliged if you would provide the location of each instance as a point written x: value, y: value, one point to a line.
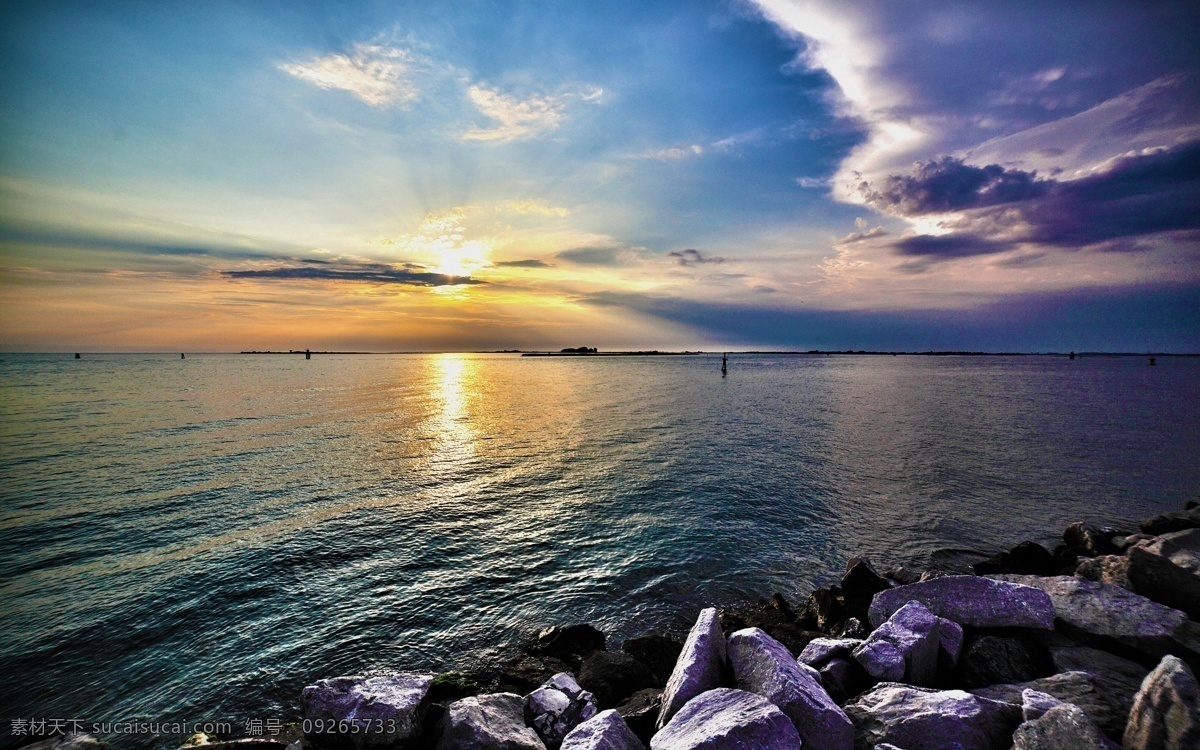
x: 690, y: 257
x: 380, y: 273
x: 947, y: 184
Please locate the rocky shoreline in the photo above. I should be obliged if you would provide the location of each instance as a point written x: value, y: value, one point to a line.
x: 1094, y: 644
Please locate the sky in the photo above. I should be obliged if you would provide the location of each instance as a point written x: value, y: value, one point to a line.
x: 707, y: 174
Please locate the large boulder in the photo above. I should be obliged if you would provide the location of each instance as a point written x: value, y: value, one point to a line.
x: 1063, y: 727
x: 860, y: 584
x: 1099, y: 611
x: 906, y: 648
x: 971, y: 600
x: 658, y: 652
x: 989, y: 659
x: 922, y: 719
x: 557, y: 707
x: 701, y: 666
x: 1180, y: 547
x: 1076, y: 688
x: 1175, y: 521
x: 1027, y: 558
x: 384, y: 711
x: 764, y: 666
x: 604, y: 731
x: 820, y: 650
x: 488, y: 722
x: 613, y: 676
x: 1116, y: 678
x: 728, y: 719
x: 1166, y: 711
x: 1153, y: 576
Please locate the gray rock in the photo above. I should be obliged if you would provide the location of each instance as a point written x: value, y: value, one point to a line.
x: 1166, y: 711
x: 906, y: 647
x: 1180, y: 547
x: 1090, y: 539
x: 72, y: 741
x: 1076, y: 688
x: 1064, y: 727
x: 701, y: 665
x: 820, y: 650
x: 728, y: 719
x: 971, y: 600
x: 604, y: 731
x: 557, y: 707
x: 1153, y: 576
x: 922, y: 719
x: 1117, y: 679
x: 764, y: 666
x: 375, y: 705
x: 488, y: 722
x: 1035, y: 703
x: 1094, y: 610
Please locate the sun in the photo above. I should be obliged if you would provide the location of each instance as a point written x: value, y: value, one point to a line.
x: 461, y: 259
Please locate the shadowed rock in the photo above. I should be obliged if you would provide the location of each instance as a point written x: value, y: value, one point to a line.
x: 1035, y: 703
x: 1180, y: 547
x: 488, y: 722
x: 971, y: 600
x: 571, y: 644
x: 659, y: 654
x: 1063, y: 727
x: 1153, y: 576
x: 72, y: 741
x: 764, y: 666
x: 906, y: 647
x: 557, y: 707
x: 1116, y: 678
x: 1166, y: 711
x: 728, y: 719
x: 1027, y: 558
x: 604, y: 731
x: 1076, y: 688
x: 860, y: 584
x: 1176, y: 521
x: 994, y: 659
x: 701, y: 665
x: 640, y: 712
x: 614, y: 676
x: 1088, y: 538
x: 386, y: 710
x: 922, y: 719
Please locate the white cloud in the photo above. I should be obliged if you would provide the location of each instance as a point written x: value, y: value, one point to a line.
x: 378, y: 73
x: 674, y: 154
x: 516, y: 118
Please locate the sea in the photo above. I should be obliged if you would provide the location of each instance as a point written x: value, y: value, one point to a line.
x: 194, y: 540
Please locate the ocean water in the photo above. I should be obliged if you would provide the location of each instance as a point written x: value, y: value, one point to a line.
x: 195, y: 540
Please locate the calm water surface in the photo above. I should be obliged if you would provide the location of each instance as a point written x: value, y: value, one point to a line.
x: 196, y: 540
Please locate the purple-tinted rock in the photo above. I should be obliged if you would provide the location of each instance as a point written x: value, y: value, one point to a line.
x: 1076, y: 688
x: 1101, y: 611
x: 604, y: 731
x: 922, y: 719
x: 906, y: 647
x: 764, y: 666
x: 488, y: 722
x: 1035, y: 703
x: 387, y: 710
x: 700, y: 668
x: 971, y: 600
x: 1153, y: 576
x: 1166, y: 711
x: 1063, y: 727
x: 821, y: 650
x: 728, y: 719
x: 557, y: 707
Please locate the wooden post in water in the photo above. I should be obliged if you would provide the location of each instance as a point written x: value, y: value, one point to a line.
x: 77, y: 355
x: 181, y: 356
x: 1152, y: 361
x: 1072, y: 355
x: 724, y: 362
x: 307, y: 354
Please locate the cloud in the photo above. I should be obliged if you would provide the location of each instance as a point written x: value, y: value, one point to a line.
x: 947, y: 184
x: 379, y: 273
x: 517, y: 118
x: 869, y: 234
x: 690, y: 257
x: 594, y: 256
x: 674, y: 154
x: 376, y: 72
x: 810, y: 182
x: 530, y: 263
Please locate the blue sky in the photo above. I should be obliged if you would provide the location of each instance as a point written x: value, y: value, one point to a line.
x: 433, y: 175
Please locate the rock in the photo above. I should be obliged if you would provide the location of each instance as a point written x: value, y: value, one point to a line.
x: 843, y: 678
x: 922, y: 719
x: 1166, y: 711
x: 906, y: 647
x: 827, y: 607
x: 1099, y: 611
x: 1116, y: 679
x: 604, y: 731
x: 640, y: 712
x: 701, y: 666
x: 71, y: 741
x: 526, y: 672
x: 1153, y: 576
x: 902, y: 575
x: 571, y: 644
x: 1176, y: 521
x: 1180, y: 547
x: 1090, y: 539
x: 557, y: 707
x: 450, y: 686
x: 774, y: 616
x: 860, y: 584
x: 657, y: 652
x: 851, y: 627
x: 728, y: 719
x: 1063, y: 727
x: 488, y: 722
x: 387, y: 710
x: 821, y: 650
x: 764, y: 666
x: 1076, y: 688
x: 995, y: 659
x: 1028, y: 558
x: 1035, y: 703
x: 614, y: 676
x: 971, y: 600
